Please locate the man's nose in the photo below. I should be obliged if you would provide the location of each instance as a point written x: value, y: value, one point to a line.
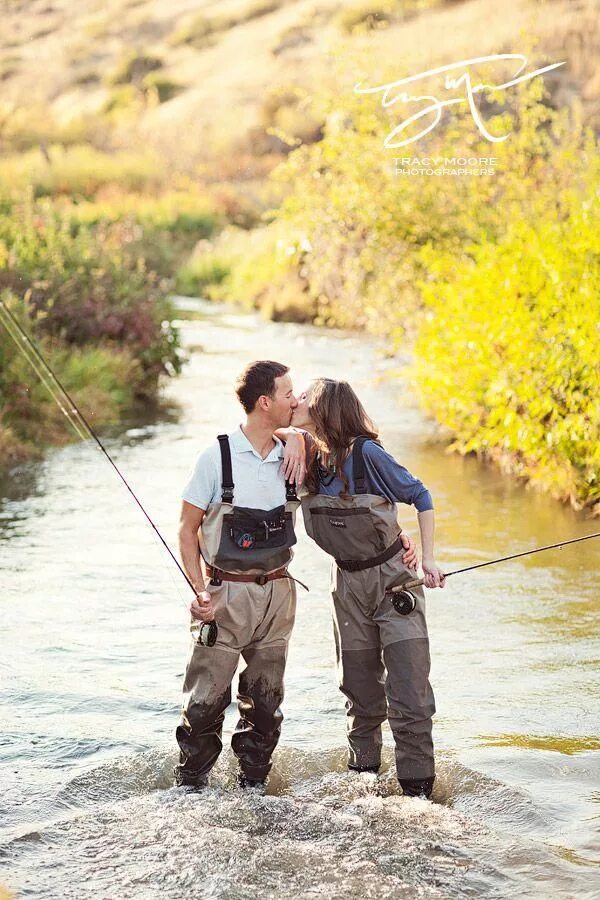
x: 294, y: 402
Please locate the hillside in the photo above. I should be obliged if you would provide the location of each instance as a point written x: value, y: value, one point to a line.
x: 192, y: 78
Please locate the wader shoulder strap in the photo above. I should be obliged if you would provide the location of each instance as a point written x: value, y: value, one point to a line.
x: 227, y: 476
x: 358, y: 466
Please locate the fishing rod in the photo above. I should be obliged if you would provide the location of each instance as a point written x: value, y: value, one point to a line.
x: 206, y: 631
x: 404, y: 601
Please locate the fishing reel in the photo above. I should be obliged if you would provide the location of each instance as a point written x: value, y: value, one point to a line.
x: 403, y: 600
x: 205, y: 633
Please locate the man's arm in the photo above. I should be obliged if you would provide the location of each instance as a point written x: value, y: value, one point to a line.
x: 189, y: 550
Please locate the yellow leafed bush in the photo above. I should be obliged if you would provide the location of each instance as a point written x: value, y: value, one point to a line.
x: 508, y: 356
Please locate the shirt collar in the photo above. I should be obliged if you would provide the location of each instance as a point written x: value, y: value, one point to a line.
x: 241, y: 444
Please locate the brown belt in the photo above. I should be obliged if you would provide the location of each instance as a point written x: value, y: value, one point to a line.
x: 263, y: 578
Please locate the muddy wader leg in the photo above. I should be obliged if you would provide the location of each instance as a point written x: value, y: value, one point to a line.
x: 361, y: 676
x: 260, y: 695
x: 207, y: 694
x: 207, y: 688
x: 260, y: 691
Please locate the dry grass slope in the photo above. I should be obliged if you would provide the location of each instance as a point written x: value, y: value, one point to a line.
x: 211, y: 66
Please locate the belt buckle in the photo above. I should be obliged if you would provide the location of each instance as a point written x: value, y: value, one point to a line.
x: 261, y: 579
x: 216, y: 580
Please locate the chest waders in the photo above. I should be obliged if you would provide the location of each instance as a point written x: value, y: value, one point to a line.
x: 244, y: 541
x: 359, y: 532
x: 246, y: 552
x: 383, y: 658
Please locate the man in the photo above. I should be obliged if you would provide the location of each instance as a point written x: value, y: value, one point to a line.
x: 238, y: 514
x: 253, y: 600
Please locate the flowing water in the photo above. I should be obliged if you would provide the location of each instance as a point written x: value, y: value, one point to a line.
x: 94, y: 641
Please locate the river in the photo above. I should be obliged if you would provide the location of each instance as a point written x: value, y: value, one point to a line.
x: 94, y: 641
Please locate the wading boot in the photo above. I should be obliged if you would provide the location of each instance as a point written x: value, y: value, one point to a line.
x: 190, y: 780
x: 257, y: 784
x: 417, y: 787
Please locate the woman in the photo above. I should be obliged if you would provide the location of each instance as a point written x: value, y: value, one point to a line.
x: 350, y: 511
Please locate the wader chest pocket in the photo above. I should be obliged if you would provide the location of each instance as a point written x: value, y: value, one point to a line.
x: 346, y: 533
x: 251, y: 529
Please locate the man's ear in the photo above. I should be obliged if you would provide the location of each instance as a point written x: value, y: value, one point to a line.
x: 263, y: 402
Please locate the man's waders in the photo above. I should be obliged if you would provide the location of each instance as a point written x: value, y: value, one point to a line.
x: 246, y: 553
x: 383, y: 658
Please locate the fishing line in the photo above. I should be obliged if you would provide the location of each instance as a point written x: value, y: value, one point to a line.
x: 404, y: 601
x: 207, y: 631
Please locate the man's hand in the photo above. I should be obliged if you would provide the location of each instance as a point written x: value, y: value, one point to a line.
x: 434, y: 577
x: 293, y: 466
x: 410, y: 558
x: 202, y: 607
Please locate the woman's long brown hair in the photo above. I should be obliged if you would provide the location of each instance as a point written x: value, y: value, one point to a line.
x: 338, y: 417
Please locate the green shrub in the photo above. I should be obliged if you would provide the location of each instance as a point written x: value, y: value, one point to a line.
x: 164, y: 87
x: 199, y: 273
x: 200, y: 31
x: 258, y: 8
x: 133, y: 68
x: 77, y: 171
x: 368, y: 16
x: 203, y: 30
x: 101, y: 379
x: 86, y: 287
x: 88, y: 76
x: 122, y: 98
x: 371, y: 15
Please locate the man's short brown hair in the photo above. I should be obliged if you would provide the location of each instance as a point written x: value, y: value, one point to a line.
x: 258, y: 378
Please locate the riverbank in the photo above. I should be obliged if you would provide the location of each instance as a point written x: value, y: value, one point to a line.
x: 88, y: 248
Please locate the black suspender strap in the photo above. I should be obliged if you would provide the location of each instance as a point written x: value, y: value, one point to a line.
x: 358, y: 466
x: 227, y: 476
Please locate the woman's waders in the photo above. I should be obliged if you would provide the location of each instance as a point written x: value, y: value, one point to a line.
x: 383, y: 658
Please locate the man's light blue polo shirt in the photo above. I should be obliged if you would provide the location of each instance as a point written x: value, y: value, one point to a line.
x: 258, y: 483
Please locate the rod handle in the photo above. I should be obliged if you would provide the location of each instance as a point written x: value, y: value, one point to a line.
x: 415, y: 582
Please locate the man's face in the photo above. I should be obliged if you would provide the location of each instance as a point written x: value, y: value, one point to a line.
x: 283, y: 402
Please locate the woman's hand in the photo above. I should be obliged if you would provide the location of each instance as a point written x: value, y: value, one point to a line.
x: 294, y: 458
x: 434, y: 577
x: 202, y: 607
x: 410, y: 558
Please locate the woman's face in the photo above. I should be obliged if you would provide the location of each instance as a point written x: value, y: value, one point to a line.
x: 301, y: 415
